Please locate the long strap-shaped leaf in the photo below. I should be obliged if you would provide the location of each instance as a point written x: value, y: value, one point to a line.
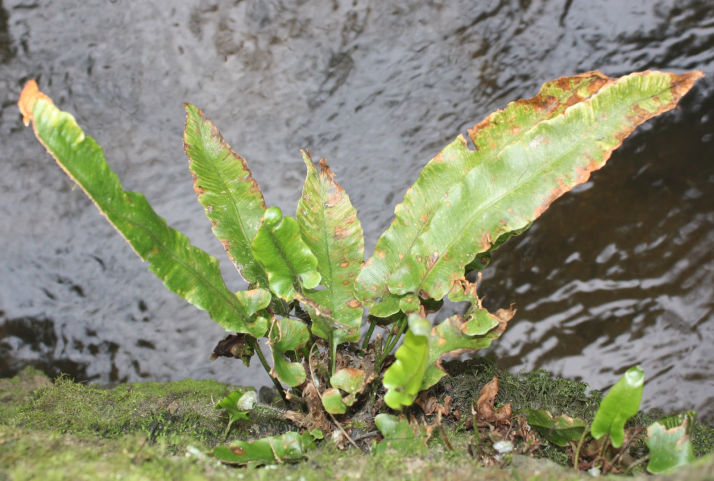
x: 227, y: 191
x: 186, y: 270
x: 413, y: 215
x: 330, y: 227
x: 511, y: 187
x: 408, y: 247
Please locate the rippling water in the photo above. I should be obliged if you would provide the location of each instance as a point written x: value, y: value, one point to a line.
x: 619, y: 273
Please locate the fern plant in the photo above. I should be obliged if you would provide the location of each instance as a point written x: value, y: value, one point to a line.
x: 309, y: 284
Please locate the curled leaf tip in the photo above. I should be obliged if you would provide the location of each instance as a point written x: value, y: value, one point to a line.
x: 29, y: 95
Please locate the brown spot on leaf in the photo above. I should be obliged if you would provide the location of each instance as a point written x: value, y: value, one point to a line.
x: 334, y: 197
x: 681, y: 84
x: 227, y: 247
x: 486, y: 241
x: 325, y: 170
x: 353, y: 303
x: 433, y: 258
x: 353, y: 372
x: 237, y: 450
x: 342, y: 231
x: 546, y: 104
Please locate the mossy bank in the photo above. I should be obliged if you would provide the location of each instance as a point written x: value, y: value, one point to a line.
x: 63, y: 430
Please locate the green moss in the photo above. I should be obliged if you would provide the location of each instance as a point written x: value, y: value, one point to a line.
x: 184, y: 408
x: 535, y: 390
x: 161, y: 411
x: 16, y: 391
x: 49, y: 456
x: 703, y: 439
x: 166, y: 430
x: 33, y: 455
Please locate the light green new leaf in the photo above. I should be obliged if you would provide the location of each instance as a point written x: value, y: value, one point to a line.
x: 351, y: 381
x: 332, y: 401
x: 230, y: 405
x: 329, y: 226
x: 398, y: 436
x: 669, y: 448
x: 227, y: 191
x: 620, y: 403
x: 560, y: 430
x: 526, y: 156
x: 186, y: 270
x: 403, y: 378
x: 286, y: 258
x: 287, y: 334
x: 237, y: 404
x: 288, y: 447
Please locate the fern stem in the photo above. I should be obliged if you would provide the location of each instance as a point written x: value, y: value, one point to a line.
x: 392, y: 339
x: 370, y: 330
x: 254, y: 345
x: 333, y: 353
x: 576, y: 455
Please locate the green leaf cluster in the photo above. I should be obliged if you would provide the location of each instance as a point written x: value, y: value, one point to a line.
x: 309, y: 285
x: 667, y: 439
x: 237, y: 404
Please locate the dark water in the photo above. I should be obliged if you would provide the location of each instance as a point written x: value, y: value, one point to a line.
x: 619, y: 273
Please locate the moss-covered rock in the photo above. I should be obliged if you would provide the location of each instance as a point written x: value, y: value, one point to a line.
x: 533, y: 390
x: 63, y: 430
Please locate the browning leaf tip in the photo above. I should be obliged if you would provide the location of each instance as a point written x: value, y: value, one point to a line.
x: 29, y: 95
